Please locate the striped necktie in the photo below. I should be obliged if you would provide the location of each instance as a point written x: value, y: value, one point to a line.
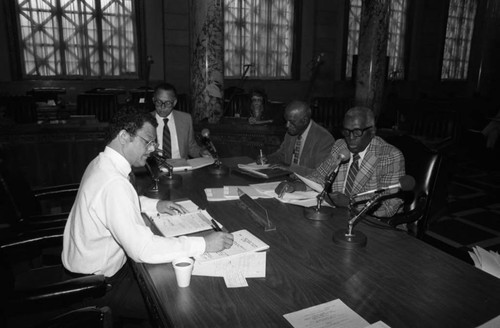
x: 296, y: 150
x: 351, y: 176
x: 167, y: 146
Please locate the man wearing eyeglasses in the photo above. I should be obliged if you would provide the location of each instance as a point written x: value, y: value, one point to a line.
x: 175, y: 128
x: 373, y: 164
x: 105, y: 226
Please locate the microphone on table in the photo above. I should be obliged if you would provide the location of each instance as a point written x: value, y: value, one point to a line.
x: 170, y: 177
x: 349, y: 239
x: 323, y: 213
x: 217, y: 168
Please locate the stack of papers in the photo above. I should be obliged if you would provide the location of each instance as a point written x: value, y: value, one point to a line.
x: 334, y: 314
x: 231, y: 192
x: 486, y: 261
x: 242, y: 260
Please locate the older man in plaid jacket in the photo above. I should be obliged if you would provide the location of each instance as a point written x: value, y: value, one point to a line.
x: 373, y: 164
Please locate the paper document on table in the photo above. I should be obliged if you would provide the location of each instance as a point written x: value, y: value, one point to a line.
x: 243, y: 242
x: 182, y: 224
x: 200, y: 162
x: 378, y: 324
x: 251, y: 265
x: 493, y: 323
x: 488, y: 261
x: 334, y: 314
x: 311, y: 184
x: 231, y: 192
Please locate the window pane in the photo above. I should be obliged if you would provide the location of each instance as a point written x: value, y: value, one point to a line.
x: 395, y: 42
x: 258, y: 32
x: 458, y: 38
x: 96, y: 41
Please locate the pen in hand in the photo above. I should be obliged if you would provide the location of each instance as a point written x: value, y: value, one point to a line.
x: 216, y: 226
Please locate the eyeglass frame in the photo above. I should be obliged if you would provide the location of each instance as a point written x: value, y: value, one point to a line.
x: 148, y: 143
x: 163, y: 104
x: 355, y: 132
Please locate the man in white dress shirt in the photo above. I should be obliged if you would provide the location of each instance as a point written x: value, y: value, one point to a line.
x: 105, y: 226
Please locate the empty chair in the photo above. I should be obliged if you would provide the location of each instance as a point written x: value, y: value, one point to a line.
x: 428, y: 200
x: 102, y: 106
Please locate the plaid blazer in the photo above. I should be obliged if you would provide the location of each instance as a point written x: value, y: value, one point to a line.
x: 382, y: 165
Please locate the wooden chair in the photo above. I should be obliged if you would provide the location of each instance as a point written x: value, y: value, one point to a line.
x: 102, y: 106
x: 239, y: 104
x: 35, y: 290
x: 428, y: 200
x: 21, y: 109
x: 183, y: 103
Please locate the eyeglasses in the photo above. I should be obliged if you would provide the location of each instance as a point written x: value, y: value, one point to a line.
x: 165, y: 103
x: 150, y: 143
x: 355, y: 132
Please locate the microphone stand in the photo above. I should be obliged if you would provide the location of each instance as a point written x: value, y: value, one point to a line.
x: 155, y: 177
x: 168, y: 178
x: 319, y: 213
x: 217, y: 168
x: 347, y: 238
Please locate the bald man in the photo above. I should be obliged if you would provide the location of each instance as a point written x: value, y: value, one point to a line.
x: 306, y: 144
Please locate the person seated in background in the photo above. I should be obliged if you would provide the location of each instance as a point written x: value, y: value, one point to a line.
x: 175, y: 129
x: 373, y: 164
x: 306, y: 144
x: 258, y: 114
x: 105, y: 226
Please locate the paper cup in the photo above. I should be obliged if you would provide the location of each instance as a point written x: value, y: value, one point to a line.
x: 183, y: 268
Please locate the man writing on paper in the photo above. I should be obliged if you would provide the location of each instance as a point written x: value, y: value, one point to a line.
x: 174, y: 129
x: 306, y: 143
x: 105, y: 226
x: 373, y: 164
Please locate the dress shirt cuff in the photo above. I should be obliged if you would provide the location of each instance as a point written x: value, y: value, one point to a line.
x: 148, y: 204
x: 198, y: 245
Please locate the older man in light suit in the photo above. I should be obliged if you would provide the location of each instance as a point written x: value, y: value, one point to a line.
x: 373, y: 164
x: 177, y: 140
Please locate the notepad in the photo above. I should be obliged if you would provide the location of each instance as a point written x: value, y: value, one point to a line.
x: 244, y: 242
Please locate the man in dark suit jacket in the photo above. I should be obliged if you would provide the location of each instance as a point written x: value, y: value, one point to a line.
x: 315, y: 141
x: 180, y: 124
x: 380, y: 164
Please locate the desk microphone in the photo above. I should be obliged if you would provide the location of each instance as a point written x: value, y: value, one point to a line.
x: 323, y: 213
x: 350, y: 240
x: 217, y: 168
x: 170, y: 177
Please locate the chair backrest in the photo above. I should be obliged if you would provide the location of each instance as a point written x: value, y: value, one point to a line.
x: 22, y: 109
x: 183, y: 103
x: 87, y: 317
x: 239, y: 104
x: 430, y: 193
x: 329, y: 112
x: 103, y: 106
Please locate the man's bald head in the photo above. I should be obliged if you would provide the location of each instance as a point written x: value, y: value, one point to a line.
x: 297, y: 117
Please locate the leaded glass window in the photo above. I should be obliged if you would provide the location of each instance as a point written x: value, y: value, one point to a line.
x: 458, y: 38
x: 77, y: 38
x: 258, y: 33
x: 395, y: 42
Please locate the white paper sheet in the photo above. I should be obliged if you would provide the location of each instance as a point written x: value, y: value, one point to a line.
x: 251, y: 265
x: 333, y: 314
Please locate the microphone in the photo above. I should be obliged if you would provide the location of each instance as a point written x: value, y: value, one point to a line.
x: 406, y: 183
x: 322, y: 213
x: 170, y: 178
x: 205, y: 137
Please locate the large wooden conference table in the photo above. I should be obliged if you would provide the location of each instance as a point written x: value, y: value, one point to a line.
x: 395, y: 278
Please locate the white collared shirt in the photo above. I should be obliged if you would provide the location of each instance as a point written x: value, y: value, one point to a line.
x: 173, y: 133
x: 105, y: 224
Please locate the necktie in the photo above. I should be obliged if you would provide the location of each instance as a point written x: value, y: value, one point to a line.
x: 167, y: 147
x: 351, y: 176
x: 296, y: 150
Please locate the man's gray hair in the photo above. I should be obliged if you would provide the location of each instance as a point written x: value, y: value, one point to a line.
x: 363, y: 112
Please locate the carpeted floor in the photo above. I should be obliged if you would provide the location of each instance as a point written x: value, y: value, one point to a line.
x: 474, y: 211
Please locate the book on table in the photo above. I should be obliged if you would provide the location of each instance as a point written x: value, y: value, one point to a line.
x: 265, y: 171
x: 195, y: 220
